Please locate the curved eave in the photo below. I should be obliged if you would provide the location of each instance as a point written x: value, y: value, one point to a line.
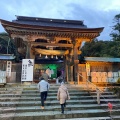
x: 6, y: 24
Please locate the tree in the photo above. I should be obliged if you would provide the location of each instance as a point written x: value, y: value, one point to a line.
x: 116, y: 28
x: 101, y: 49
x: 7, y: 45
x: 92, y: 49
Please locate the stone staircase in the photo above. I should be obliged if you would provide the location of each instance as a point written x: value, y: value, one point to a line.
x: 22, y: 102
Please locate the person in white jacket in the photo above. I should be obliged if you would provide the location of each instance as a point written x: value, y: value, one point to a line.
x: 43, y: 88
x: 62, y: 96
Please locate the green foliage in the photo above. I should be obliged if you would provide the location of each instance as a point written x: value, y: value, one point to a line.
x: 101, y: 49
x: 116, y: 90
x: 116, y: 28
x: 7, y: 45
x: 118, y: 81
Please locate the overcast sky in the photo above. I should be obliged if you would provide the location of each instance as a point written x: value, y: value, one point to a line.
x: 95, y: 13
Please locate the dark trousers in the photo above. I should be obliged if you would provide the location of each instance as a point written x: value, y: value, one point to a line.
x: 43, y: 97
x: 62, y: 107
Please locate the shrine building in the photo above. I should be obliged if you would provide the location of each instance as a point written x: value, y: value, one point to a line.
x: 52, y: 43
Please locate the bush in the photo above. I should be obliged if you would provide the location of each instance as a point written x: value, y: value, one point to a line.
x: 118, y: 81
x: 116, y: 91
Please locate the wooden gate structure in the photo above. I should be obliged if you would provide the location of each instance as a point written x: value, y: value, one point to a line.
x: 51, y: 37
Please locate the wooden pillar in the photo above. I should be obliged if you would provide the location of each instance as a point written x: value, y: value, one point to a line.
x: 65, y: 66
x: 71, y: 73
x: 28, y: 51
x: 76, y: 61
x: 69, y: 67
x: 67, y: 78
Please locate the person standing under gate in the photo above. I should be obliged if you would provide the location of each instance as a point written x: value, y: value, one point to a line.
x: 45, y: 76
x: 43, y: 87
x: 62, y: 96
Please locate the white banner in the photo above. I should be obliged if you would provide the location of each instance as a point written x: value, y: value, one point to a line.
x: 88, y: 69
x: 2, y: 76
x: 27, y: 70
x: 8, y: 68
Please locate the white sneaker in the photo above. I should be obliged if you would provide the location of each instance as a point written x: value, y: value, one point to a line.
x: 42, y: 107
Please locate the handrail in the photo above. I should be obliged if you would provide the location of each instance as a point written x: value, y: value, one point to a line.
x: 98, y: 94
x: 97, y: 90
x: 91, y: 83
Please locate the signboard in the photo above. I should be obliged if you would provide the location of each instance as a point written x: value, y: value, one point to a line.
x: 27, y: 70
x: 8, y: 68
x: 88, y: 69
x: 2, y: 76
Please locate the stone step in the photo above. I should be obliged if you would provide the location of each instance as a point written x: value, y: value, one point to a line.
x: 106, y: 96
x: 105, y: 93
x: 38, y: 98
x: 90, y: 118
x: 24, y: 98
x: 115, y: 112
x: 48, y: 103
x: 17, y: 93
x: 94, y: 118
x: 52, y: 91
x: 115, y: 117
x: 47, y: 115
x: 26, y: 104
x: 10, y: 95
x: 37, y: 94
x: 5, y: 89
x: 109, y: 100
x: 51, y: 86
x: 55, y: 92
x: 54, y: 108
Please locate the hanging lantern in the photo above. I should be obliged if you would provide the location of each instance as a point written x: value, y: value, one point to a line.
x: 56, y: 57
x: 46, y: 56
x: 51, y: 56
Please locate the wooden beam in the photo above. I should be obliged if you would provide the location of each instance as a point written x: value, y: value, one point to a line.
x: 51, y: 44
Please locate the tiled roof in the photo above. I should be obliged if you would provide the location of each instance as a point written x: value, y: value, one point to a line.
x: 49, y: 22
x: 6, y: 57
x: 102, y: 59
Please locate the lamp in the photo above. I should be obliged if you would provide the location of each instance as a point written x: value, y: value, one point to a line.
x: 56, y: 57
x: 46, y: 56
x: 51, y: 56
